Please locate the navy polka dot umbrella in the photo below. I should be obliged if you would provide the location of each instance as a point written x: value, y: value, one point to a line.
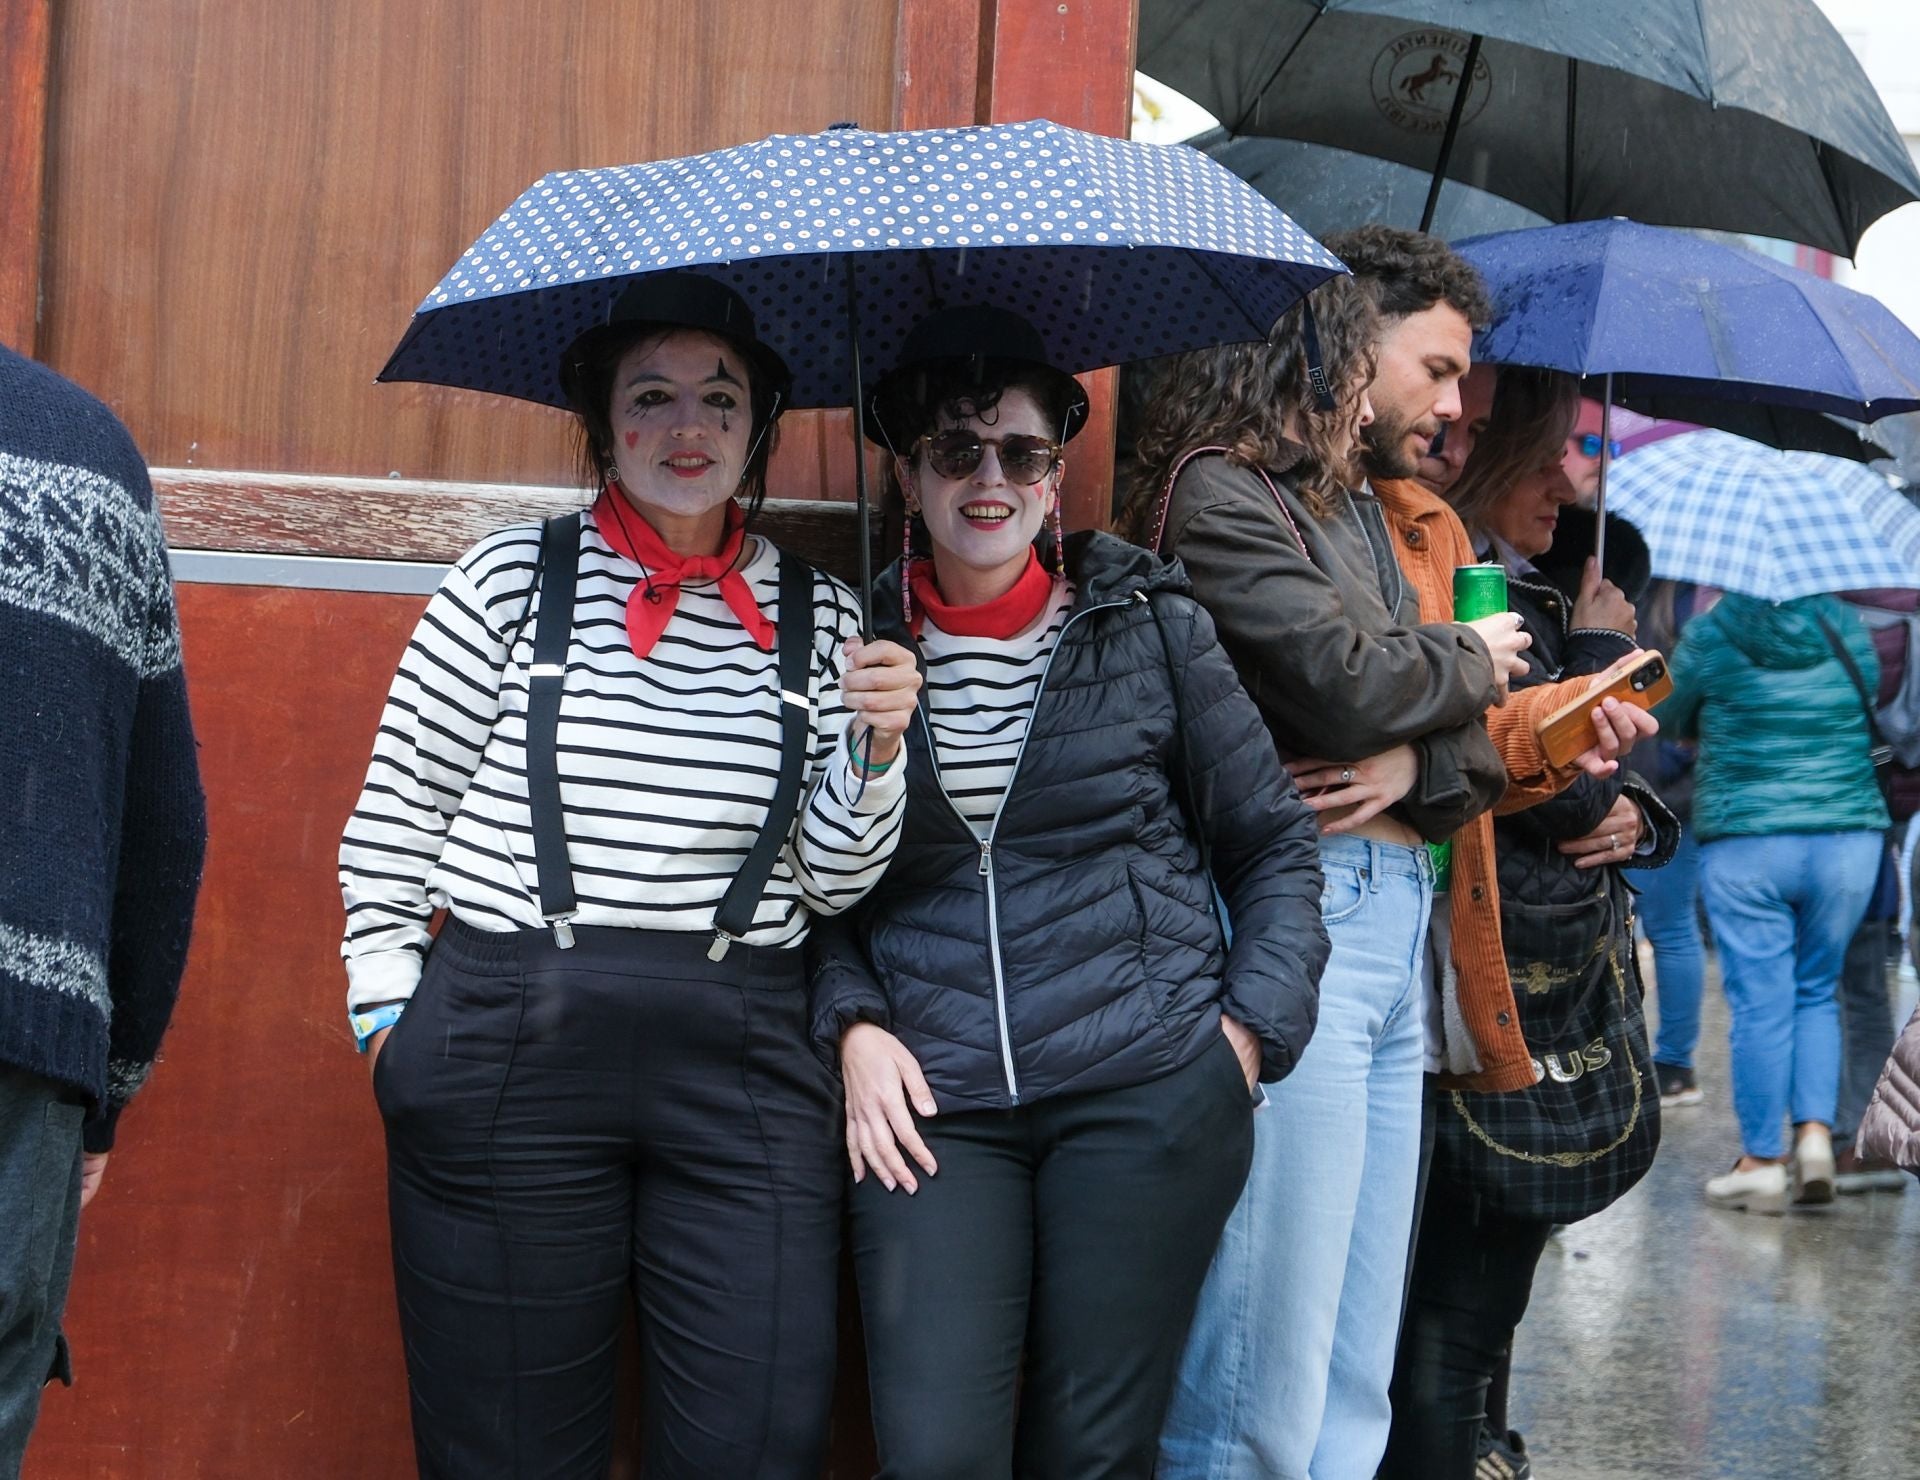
x: 840, y: 241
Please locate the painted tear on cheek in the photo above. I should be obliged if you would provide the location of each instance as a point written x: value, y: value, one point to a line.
x: 633, y: 440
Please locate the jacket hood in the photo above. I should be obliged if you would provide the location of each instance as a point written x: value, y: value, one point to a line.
x: 1103, y: 568
x: 1783, y: 636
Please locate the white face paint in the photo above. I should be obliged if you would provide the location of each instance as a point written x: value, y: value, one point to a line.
x: 982, y: 523
x: 682, y: 419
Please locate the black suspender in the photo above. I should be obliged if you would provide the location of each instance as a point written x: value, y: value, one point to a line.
x: 734, y: 918
x: 553, y: 626
x: 559, y: 572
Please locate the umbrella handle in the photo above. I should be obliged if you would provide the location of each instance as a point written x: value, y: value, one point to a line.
x: 1600, y: 497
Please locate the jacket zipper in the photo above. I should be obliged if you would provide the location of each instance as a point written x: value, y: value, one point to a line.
x: 993, y: 828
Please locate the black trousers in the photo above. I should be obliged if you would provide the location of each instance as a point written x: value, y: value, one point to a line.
x: 563, y: 1126
x: 1472, y: 1277
x: 1078, y: 1230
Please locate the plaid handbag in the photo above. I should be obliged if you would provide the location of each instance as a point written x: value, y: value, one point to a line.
x: 1588, y: 1130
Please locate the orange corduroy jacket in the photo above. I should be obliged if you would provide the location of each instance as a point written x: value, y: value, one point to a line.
x: 1429, y: 540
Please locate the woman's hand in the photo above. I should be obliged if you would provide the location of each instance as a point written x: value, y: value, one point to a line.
x: 1504, y: 639
x: 1246, y: 1048
x: 880, y: 1077
x: 1602, y: 604
x: 376, y: 1042
x: 880, y: 685
x: 1613, y: 841
x: 93, y: 1170
x: 1369, y: 786
x: 1620, y: 728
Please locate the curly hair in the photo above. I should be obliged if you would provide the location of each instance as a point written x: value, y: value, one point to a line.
x: 1242, y: 397
x: 916, y: 399
x: 1533, y: 413
x: 592, y: 395
x: 1410, y: 271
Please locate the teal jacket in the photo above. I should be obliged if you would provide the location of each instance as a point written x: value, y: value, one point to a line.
x: 1783, y: 733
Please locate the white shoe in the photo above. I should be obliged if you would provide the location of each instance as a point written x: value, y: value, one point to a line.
x: 1761, y: 1190
x: 1813, y: 1166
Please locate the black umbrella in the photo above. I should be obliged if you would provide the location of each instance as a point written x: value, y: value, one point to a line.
x: 1327, y: 190
x: 1788, y: 428
x: 1743, y: 115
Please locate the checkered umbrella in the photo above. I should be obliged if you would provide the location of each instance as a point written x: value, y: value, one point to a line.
x: 1719, y: 510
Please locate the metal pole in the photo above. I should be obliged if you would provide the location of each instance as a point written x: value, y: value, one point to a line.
x: 860, y: 460
x: 1600, y: 498
x: 1453, y: 128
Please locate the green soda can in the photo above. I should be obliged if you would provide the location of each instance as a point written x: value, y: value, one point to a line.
x: 1478, y: 591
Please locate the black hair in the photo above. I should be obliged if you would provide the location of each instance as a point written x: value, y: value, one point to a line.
x: 592, y: 393
x: 1410, y: 271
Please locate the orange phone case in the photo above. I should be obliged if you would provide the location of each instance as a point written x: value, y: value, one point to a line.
x: 1642, y: 679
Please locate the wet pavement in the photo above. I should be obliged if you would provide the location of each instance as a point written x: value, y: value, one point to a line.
x: 1669, y: 1339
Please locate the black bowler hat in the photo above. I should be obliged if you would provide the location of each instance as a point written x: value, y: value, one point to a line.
x: 679, y: 300
x: 976, y: 333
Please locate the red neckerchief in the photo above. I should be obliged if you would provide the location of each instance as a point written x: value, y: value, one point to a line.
x: 650, y: 607
x: 1003, y: 617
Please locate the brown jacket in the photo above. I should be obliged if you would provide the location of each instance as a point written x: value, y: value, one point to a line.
x: 1430, y: 541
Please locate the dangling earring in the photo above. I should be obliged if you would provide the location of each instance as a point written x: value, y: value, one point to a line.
x: 906, y: 559
x: 1059, y: 540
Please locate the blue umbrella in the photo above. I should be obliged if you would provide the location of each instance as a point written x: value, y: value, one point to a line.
x: 840, y: 241
x: 1722, y: 511
x: 1657, y: 312
x: 1113, y: 250
x: 1667, y: 312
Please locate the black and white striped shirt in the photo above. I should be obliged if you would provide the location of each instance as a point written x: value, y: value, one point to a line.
x: 979, y: 699
x: 667, y: 767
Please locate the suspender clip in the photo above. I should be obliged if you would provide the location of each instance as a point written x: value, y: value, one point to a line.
x: 721, y: 940
x: 562, y: 931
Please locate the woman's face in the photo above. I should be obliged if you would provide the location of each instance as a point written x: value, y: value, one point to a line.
x: 1530, y: 512
x: 985, y: 520
x: 681, y: 415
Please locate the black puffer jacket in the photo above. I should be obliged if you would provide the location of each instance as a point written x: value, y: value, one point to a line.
x: 1078, y: 949
x: 1532, y: 871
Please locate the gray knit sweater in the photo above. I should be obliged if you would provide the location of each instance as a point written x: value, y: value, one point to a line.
x: 102, y: 821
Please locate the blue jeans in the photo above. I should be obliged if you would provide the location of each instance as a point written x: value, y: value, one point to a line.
x: 39, y: 1225
x: 1783, y: 908
x: 1669, y: 913
x: 1286, y: 1368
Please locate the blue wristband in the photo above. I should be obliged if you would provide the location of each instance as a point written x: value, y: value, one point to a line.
x: 373, y: 1020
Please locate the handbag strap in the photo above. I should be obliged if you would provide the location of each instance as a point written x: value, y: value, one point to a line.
x: 794, y: 639
x: 1166, y: 498
x: 1879, y: 751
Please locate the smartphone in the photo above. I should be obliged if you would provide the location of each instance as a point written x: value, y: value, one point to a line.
x: 1641, y: 678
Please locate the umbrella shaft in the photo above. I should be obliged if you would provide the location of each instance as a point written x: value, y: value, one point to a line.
x: 1460, y: 91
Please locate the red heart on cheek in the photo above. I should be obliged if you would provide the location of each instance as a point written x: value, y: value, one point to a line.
x: 633, y: 440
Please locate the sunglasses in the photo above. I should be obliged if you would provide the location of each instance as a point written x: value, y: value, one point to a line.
x: 1591, y: 442
x: 1024, y: 460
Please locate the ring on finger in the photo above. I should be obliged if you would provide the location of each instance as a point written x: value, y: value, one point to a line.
x: 1346, y: 774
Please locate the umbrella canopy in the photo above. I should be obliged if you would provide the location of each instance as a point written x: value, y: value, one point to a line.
x: 1328, y: 190
x: 1668, y: 312
x: 1744, y: 115
x: 1784, y: 427
x: 1113, y: 250
x: 1721, y: 511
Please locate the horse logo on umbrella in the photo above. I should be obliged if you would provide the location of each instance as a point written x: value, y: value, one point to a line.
x: 1415, y: 78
